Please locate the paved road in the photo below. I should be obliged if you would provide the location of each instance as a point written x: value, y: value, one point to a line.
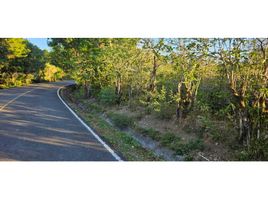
x: 36, y: 126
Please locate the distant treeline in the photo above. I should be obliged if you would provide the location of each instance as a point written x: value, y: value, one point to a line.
x: 21, y: 63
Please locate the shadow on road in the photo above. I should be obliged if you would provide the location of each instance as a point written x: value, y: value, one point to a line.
x: 38, y: 127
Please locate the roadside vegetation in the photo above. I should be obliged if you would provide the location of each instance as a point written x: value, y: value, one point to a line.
x: 22, y: 63
x: 127, y: 147
x: 207, y: 96
x: 200, y: 98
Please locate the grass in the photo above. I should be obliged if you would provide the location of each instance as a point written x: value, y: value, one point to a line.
x: 169, y: 138
x: 93, y: 107
x: 155, y: 135
x: 172, y: 141
x: 121, y: 121
x: 121, y: 142
x: 188, y: 148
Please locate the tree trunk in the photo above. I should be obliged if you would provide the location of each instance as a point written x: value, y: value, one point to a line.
x: 129, y: 92
x: 179, y: 113
x: 245, y: 123
x: 152, y: 82
x: 86, y: 89
x: 245, y: 128
x: 179, y: 105
x: 152, y: 86
x: 118, y: 89
x: 259, y: 120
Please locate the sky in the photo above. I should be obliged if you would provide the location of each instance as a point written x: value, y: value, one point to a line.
x: 40, y: 42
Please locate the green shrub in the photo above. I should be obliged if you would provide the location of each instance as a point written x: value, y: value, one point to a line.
x: 78, y: 93
x: 28, y: 79
x: 214, y: 97
x: 184, y: 149
x: 195, y: 145
x: 16, y: 79
x: 210, y: 128
x: 169, y: 138
x: 258, y: 150
x: 51, y: 73
x: 161, y: 103
x: 166, y: 111
x: 121, y: 121
x: 107, y: 96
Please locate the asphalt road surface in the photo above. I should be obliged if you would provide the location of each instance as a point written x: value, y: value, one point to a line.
x: 36, y: 126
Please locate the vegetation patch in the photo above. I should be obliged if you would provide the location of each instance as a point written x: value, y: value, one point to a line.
x: 107, y: 96
x: 121, y: 121
x: 23, y: 63
x: 121, y: 142
x: 184, y: 86
x: 150, y: 132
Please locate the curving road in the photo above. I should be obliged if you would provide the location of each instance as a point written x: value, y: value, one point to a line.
x: 36, y: 126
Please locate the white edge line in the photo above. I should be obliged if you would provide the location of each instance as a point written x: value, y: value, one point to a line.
x: 89, y: 129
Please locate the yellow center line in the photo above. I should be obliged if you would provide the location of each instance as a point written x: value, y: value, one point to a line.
x: 2, y: 108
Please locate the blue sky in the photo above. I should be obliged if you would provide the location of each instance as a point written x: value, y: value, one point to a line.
x: 40, y: 42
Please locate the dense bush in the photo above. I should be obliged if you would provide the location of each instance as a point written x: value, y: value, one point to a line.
x: 79, y: 93
x: 29, y: 78
x: 163, y: 104
x: 51, y: 73
x: 214, y: 98
x: 16, y: 79
x: 107, y: 96
x: 258, y: 150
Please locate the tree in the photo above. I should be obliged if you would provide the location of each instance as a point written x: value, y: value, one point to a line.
x: 120, y: 63
x: 243, y: 62
x: 156, y: 50
x: 34, y: 62
x: 187, y: 58
x: 21, y: 62
x: 11, y: 49
x: 81, y: 58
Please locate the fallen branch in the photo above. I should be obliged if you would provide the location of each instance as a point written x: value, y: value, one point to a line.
x: 203, y: 157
